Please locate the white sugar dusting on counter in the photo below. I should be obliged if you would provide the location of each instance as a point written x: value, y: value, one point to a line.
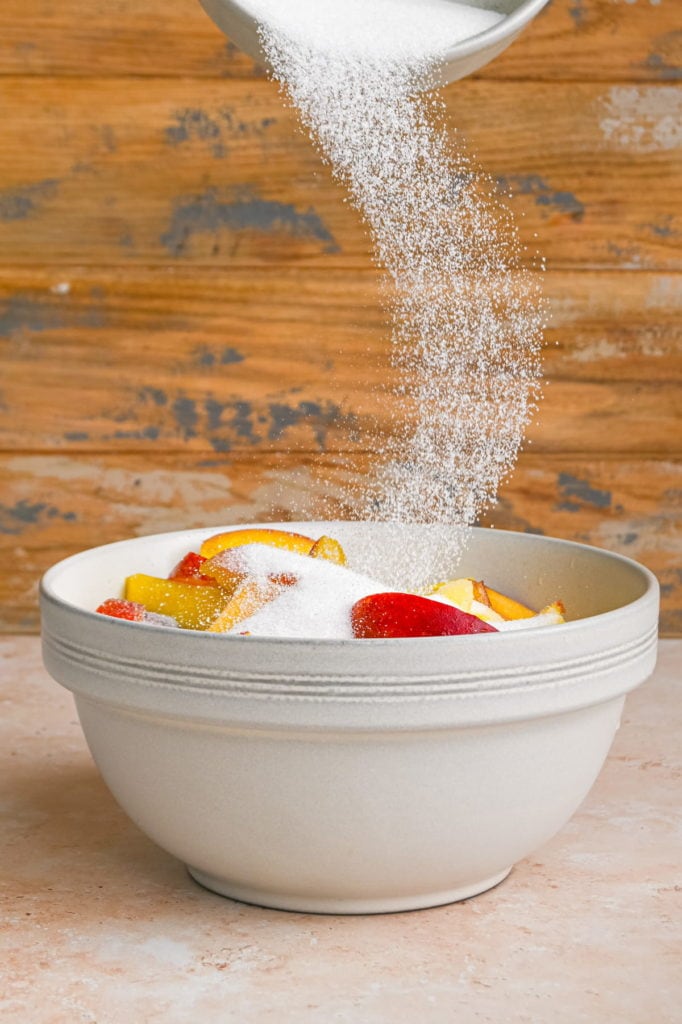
x: 466, y: 314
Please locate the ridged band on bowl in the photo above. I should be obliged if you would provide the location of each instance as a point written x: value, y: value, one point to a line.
x: 258, y: 700
x: 191, y: 678
x: 264, y: 682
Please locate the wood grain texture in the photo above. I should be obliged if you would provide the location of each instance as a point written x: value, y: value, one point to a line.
x: 217, y: 173
x: 54, y: 505
x: 191, y: 329
x: 194, y: 361
x: 603, y: 40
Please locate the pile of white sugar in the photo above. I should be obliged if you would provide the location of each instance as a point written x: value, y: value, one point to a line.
x: 373, y: 29
x: 317, y: 605
x: 466, y: 315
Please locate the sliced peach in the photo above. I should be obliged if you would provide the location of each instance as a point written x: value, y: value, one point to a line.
x: 189, y: 569
x: 555, y: 611
x: 459, y: 592
x: 257, y: 535
x: 394, y: 614
x: 329, y: 549
x: 507, y: 607
x: 118, y: 609
x: 191, y: 606
x: 469, y: 596
x: 228, y: 569
x: 249, y: 597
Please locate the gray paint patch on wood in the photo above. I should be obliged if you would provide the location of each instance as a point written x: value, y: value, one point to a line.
x: 21, y: 202
x: 32, y: 311
x: 658, y: 64
x: 209, y: 213
x: 216, y: 129
x: 15, y: 518
x: 320, y: 416
x: 185, y: 415
x: 576, y: 493
x: 204, y: 356
x: 543, y: 193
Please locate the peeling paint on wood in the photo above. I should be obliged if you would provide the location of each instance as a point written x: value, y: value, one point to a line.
x: 23, y: 313
x: 225, y: 357
x: 657, y: 64
x: 574, y: 493
x: 578, y: 13
x: 131, y: 199
x: 124, y: 346
x: 16, y: 518
x: 214, y: 129
x: 534, y: 185
x: 213, y: 212
x: 23, y: 201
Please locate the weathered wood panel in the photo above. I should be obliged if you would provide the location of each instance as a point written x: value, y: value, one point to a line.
x: 54, y: 505
x: 571, y: 39
x: 158, y: 361
x: 216, y: 173
x: 238, y: 308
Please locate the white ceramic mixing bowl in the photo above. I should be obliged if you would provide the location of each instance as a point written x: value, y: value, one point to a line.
x: 457, y: 61
x: 355, y: 776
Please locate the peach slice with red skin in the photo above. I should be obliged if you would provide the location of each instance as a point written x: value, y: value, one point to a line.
x: 117, y: 608
x: 190, y: 570
x: 396, y: 615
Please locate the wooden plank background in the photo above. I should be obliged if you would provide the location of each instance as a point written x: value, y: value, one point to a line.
x: 190, y: 319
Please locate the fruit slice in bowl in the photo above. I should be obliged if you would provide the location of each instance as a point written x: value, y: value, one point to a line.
x: 273, y: 538
x: 393, y: 614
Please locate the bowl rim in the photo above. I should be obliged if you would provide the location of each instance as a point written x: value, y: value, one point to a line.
x: 508, y: 26
x: 47, y: 593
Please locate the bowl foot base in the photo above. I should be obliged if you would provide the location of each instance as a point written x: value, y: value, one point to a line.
x: 308, y: 905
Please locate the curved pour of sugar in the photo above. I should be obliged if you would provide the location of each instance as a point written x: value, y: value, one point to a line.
x: 466, y: 315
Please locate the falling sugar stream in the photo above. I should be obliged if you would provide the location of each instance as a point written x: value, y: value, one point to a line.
x: 466, y: 314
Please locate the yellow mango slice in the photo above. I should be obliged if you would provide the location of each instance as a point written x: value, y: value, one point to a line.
x: 275, y: 538
x: 555, y: 611
x: 192, y: 605
x: 507, y: 607
x: 329, y: 549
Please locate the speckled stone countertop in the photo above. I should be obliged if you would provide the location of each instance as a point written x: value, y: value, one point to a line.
x: 99, y: 926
